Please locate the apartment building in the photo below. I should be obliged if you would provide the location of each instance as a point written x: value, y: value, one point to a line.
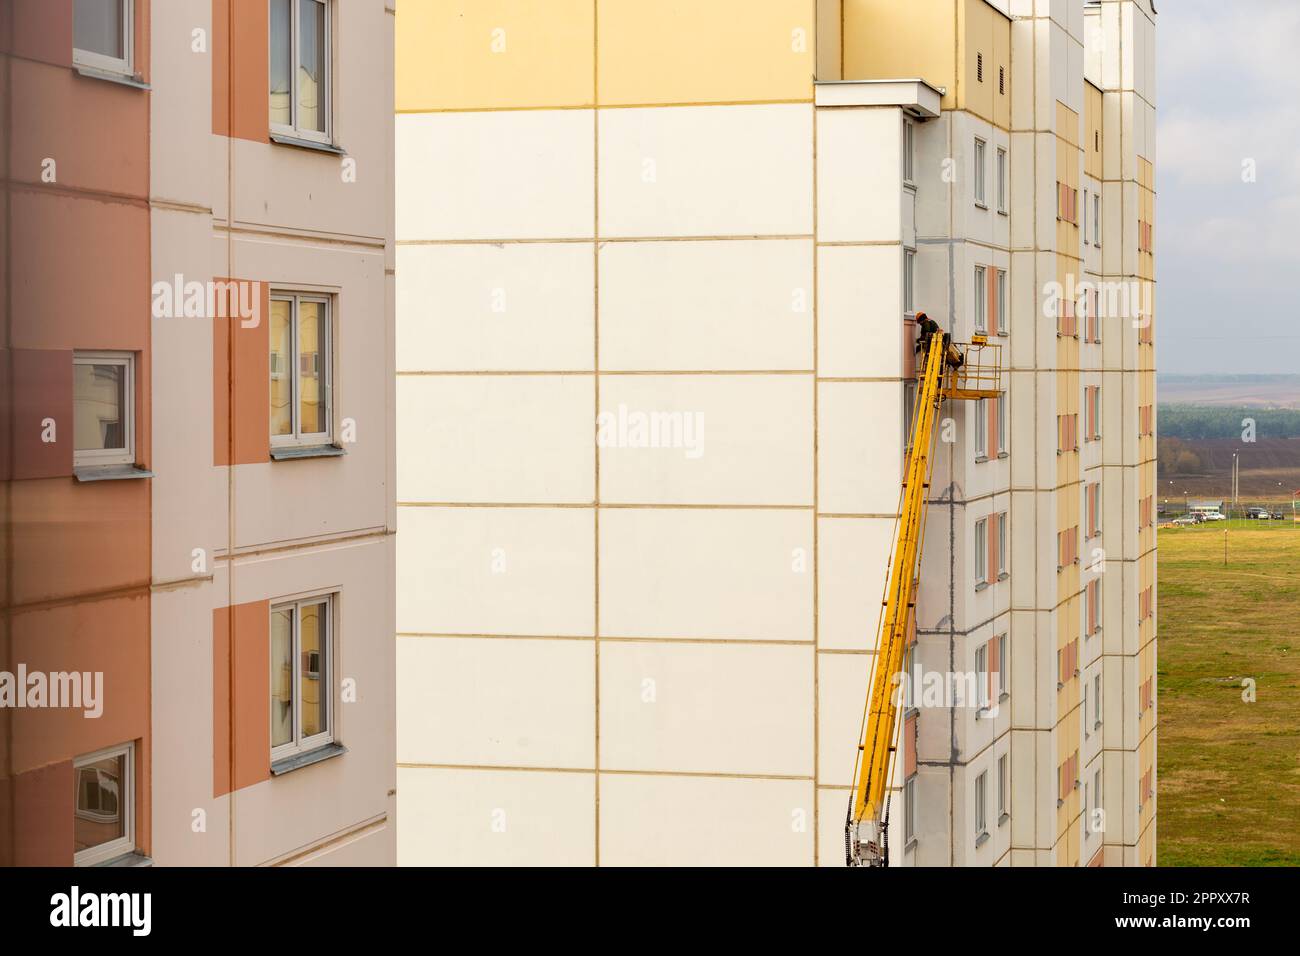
x: 658, y: 267
x: 198, y: 377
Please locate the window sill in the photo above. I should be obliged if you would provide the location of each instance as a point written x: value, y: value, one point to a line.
x: 1060, y: 685
x: 1003, y: 454
x: 1003, y: 697
x: 290, y: 452
x: 1097, y: 725
x: 910, y: 845
x: 286, y: 140
x: 1002, y: 576
x: 982, y: 839
x: 121, y: 79
x: 909, y: 184
x: 980, y: 459
x: 980, y: 205
x: 132, y: 859
x: 983, y: 585
x: 1003, y: 212
x: 1003, y: 819
x: 298, y: 761
x: 110, y: 472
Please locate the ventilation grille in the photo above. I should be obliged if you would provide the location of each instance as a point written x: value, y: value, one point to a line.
x: 1002, y: 80
x: 979, y: 67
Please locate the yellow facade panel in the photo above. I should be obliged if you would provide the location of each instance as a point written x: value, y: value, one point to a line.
x: 494, y: 54
x: 888, y: 40
x: 723, y: 51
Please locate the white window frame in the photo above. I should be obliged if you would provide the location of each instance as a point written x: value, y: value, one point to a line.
x: 300, y: 744
x: 1096, y: 793
x: 980, y: 155
x: 981, y: 429
x: 1085, y: 216
x: 327, y: 86
x: 909, y: 810
x: 1002, y: 179
x: 981, y: 299
x: 125, y: 802
x: 92, y: 457
x: 981, y: 804
x: 981, y: 551
x: 110, y: 64
x: 1002, y: 543
x: 909, y: 152
x: 909, y: 283
x: 1002, y: 302
x: 1002, y: 787
x: 1096, y: 220
x: 1002, y: 423
x: 296, y: 437
x: 982, y: 676
x: 1096, y: 701
x: 1002, y: 664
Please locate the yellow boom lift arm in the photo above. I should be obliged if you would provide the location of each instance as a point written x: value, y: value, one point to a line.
x: 866, y: 829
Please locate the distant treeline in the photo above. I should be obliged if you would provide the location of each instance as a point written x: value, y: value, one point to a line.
x: 1209, y: 421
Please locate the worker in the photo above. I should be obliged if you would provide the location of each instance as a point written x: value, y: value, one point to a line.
x: 926, y: 329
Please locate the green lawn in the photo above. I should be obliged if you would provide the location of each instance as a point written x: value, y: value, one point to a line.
x: 1229, y: 771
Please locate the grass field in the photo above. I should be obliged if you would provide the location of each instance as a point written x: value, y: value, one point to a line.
x: 1229, y: 771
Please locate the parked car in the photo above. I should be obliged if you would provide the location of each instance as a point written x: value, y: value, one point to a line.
x: 1277, y: 516
x: 1213, y: 516
x: 1256, y: 513
x: 1186, y: 521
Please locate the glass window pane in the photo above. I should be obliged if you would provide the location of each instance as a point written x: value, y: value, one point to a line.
x: 281, y: 676
x: 314, y: 681
x: 281, y: 71
x: 311, y: 65
x: 97, y: 27
x: 281, y: 333
x: 311, y: 412
x: 98, y: 398
x: 100, y: 799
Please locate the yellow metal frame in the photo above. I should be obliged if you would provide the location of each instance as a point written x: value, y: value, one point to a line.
x: 979, y: 376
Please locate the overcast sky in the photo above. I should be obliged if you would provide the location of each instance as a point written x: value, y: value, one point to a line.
x: 1228, y: 251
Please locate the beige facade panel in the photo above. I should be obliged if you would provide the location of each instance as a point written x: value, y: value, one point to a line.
x: 852, y: 566
x: 706, y: 708
x: 486, y: 307
x: 463, y: 437
x: 495, y: 571
x: 706, y: 171
x: 706, y: 306
x: 495, y: 818
x: 859, y: 177
x: 732, y: 574
x: 519, y: 175
x: 859, y: 311
x: 704, y: 821
x: 518, y: 703
x: 706, y: 439
x: 860, y: 454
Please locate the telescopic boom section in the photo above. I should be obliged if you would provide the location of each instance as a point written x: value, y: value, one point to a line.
x: 865, y: 834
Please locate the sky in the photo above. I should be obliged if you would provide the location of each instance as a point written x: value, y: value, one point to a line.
x: 1228, y: 250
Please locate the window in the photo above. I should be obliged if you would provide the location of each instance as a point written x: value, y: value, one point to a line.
x: 1001, y: 316
x: 1002, y: 423
x: 1093, y: 609
x: 982, y: 674
x: 1002, y: 543
x: 1002, y: 180
x: 103, y: 408
x: 1067, y: 433
x: 301, y: 374
x: 1003, y: 663
x: 1002, y: 788
x: 909, y: 810
x: 1096, y: 705
x: 300, y: 68
x: 909, y: 142
x: 1083, y: 709
x: 1067, y: 200
x: 1096, y: 797
x: 981, y: 300
x: 981, y: 550
x: 302, y: 662
x: 1096, y: 220
x: 1067, y: 547
x: 909, y: 281
x: 1085, y: 217
x: 979, y: 173
x: 909, y: 412
x: 103, y: 34
x: 1093, y: 499
x: 104, y: 823
x: 981, y: 429
x: 981, y: 808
